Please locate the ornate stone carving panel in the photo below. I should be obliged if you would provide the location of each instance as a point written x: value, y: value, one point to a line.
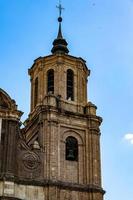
x: 31, y: 161
x: 30, y: 165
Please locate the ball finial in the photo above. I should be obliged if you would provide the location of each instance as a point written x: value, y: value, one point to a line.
x: 59, y: 19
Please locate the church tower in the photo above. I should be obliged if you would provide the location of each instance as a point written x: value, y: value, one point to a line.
x: 64, y: 125
x: 58, y: 150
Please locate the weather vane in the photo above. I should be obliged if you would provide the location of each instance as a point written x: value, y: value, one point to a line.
x: 60, y: 8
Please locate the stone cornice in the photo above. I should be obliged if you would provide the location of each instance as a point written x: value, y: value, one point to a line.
x: 10, y: 114
x: 53, y: 58
x: 8, y: 198
x: 61, y: 184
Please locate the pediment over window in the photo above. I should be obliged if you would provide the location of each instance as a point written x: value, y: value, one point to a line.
x: 6, y: 102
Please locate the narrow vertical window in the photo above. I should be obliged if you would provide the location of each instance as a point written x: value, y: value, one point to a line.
x: 71, y: 149
x: 36, y: 92
x: 70, y: 85
x: 50, y: 81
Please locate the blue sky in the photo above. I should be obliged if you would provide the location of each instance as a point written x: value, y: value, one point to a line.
x: 100, y: 31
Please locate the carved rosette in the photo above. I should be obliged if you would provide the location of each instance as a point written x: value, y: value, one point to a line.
x: 31, y: 161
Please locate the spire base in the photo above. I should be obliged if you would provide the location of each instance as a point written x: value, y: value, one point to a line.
x: 60, y: 46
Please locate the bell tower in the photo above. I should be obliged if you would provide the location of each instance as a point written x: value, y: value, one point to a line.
x: 56, y: 155
x: 64, y: 125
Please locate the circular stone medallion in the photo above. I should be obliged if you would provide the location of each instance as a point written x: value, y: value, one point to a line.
x: 31, y: 161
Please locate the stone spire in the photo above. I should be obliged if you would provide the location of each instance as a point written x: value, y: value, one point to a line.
x: 60, y: 44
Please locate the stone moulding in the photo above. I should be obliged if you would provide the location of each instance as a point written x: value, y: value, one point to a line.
x: 60, y: 184
x: 8, y: 198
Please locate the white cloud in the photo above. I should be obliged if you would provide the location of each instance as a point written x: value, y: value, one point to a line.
x: 129, y: 137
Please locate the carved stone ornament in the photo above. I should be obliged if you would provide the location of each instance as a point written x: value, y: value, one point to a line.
x: 31, y: 161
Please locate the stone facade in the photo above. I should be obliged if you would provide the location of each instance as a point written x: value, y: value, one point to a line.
x: 56, y: 156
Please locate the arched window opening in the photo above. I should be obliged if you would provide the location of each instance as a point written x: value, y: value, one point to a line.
x: 70, y: 85
x: 71, y: 149
x: 36, y: 92
x: 50, y: 81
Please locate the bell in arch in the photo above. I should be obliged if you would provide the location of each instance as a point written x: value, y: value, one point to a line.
x: 70, y: 155
x: 71, y: 149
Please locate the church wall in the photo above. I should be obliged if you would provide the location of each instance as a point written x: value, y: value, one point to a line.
x: 28, y: 192
x: 53, y: 130
x: 57, y: 131
x: 8, y: 147
x: 24, y: 192
x: 72, y: 171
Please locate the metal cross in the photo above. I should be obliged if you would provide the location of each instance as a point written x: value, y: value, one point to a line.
x: 60, y: 8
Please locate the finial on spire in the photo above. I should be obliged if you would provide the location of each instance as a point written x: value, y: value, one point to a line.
x: 60, y: 9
